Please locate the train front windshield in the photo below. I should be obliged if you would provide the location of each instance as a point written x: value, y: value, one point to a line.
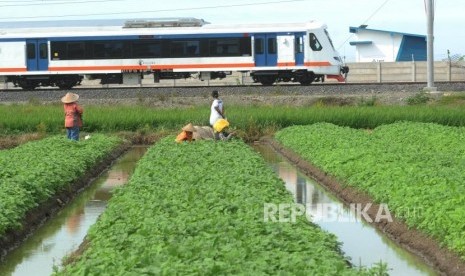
x: 330, y: 40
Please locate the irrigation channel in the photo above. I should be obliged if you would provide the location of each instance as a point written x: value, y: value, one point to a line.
x: 362, y: 243
x: 63, y: 234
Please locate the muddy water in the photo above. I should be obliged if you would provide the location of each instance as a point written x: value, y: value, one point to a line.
x: 63, y: 234
x: 361, y: 242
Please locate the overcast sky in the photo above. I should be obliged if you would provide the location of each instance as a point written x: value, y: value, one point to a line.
x: 406, y: 16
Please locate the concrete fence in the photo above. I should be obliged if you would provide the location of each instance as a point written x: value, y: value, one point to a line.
x: 415, y: 71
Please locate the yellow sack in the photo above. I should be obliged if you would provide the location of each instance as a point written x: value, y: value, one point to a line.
x: 220, y: 125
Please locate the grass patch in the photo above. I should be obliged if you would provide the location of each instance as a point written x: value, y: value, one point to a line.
x: 333, y: 101
x: 254, y: 120
x: 456, y: 99
x: 418, y: 99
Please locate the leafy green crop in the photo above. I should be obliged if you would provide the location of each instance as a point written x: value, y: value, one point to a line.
x: 34, y: 172
x: 416, y: 168
x: 197, y: 209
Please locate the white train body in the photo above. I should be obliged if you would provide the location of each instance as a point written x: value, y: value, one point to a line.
x: 32, y: 57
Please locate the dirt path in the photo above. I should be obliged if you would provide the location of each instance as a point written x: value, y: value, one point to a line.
x: 11, y: 141
x: 443, y: 260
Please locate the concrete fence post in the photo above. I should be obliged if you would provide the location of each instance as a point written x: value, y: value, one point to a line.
x: 378, y: 65
x: 414, y: 71
x: 449, y: 71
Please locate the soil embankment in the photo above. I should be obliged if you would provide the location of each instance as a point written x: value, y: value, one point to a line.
x: 443, y: 260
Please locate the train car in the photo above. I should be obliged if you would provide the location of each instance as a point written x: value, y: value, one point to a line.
x: 168, y: 49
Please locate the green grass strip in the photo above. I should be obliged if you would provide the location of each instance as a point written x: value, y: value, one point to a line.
x: 197, y: 209
x: 32, y: 173
x: 416, y: 168
x: 31, y: 118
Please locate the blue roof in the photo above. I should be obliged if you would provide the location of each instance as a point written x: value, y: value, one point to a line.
x: 357, y: 29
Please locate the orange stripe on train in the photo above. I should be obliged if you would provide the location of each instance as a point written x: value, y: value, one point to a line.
x: 286, y: 63
x: 5, y: 70
x: 160, y: 67
x: 317, y: 63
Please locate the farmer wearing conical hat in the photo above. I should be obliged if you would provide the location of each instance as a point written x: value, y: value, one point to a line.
x: 73, y: 115
x: 187, y: 134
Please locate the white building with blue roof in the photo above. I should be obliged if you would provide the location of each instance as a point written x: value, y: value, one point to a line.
x: 387, y: 46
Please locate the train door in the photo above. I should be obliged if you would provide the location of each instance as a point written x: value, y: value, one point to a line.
x: 286, y: 56
x: 299, y: 49
x: 37, y: 54
x: 266, y: 50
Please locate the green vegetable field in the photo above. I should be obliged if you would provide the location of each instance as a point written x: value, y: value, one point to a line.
x: 416, y: 168
x: 197, y: 208
x: 32, y: 173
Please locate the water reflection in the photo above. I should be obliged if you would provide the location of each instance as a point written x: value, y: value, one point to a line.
x: 63, y: 234
x: 74, y: 221
x: 362, y: 243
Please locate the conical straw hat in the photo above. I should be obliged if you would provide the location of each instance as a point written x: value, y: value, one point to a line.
x: 189, y: 127
x: 70, y: 98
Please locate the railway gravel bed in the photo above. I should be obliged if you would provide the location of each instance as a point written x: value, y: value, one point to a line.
x: 393, y: 93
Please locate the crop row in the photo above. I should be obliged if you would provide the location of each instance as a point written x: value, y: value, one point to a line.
x: 30, y: 118
x: 198, y: 208
x: 32, y: 173
x: 416, y: 168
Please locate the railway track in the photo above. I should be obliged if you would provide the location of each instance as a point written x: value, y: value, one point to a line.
x: 325, y: 89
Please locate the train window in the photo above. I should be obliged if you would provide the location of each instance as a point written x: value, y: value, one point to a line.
x: 272, y: 45
x: 146, y: 49
x: 76, y: 50
x: 299, y: 45
x: 225, y: 47
x: 185, y: 48
x: 246, y: 46
x: 330, y: 40
x: 314, y: 43
x: 31, y: 51
x: 108, y: 49
x: 43, y: 50
x: 192, y: 48
x: 259, y: 47
x: 58, y: 50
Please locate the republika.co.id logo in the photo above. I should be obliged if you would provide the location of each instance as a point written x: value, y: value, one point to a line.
x: 326, y: 212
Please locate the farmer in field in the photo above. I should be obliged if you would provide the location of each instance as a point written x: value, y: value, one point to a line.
x: 220, y: 128
x: 203, y: 133
x: 73, y: 115
x: 217, y: 109
x: 187, y: 134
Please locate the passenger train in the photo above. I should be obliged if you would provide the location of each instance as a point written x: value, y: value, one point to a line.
x: 168, y: 49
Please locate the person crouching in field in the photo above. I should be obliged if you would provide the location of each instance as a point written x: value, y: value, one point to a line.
x: 220, y: 128
x: 203, y: 133
x: 187, y: 134
x: 73, y: 115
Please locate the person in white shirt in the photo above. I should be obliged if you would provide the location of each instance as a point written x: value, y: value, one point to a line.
x: 217, y: 109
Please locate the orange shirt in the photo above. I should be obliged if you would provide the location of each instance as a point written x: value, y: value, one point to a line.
x: 183, y: 136
x: 73, y: 113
